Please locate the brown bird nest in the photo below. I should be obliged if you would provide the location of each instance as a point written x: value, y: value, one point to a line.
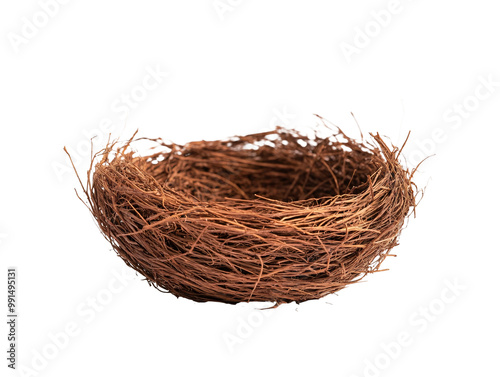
x: 274, y: 216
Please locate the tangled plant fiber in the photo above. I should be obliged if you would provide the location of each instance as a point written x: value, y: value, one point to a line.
x: 274, y: 216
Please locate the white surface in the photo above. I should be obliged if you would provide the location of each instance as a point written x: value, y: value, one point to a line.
x: 232, y: 76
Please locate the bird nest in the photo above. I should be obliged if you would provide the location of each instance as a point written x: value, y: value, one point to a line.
x: 274, y: 216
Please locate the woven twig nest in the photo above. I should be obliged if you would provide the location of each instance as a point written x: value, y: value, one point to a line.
x: 274, y: 216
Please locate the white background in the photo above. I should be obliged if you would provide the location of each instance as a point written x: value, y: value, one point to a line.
x: 236, y: 68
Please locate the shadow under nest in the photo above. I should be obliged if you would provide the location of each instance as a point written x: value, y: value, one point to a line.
x: 275, y: 216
